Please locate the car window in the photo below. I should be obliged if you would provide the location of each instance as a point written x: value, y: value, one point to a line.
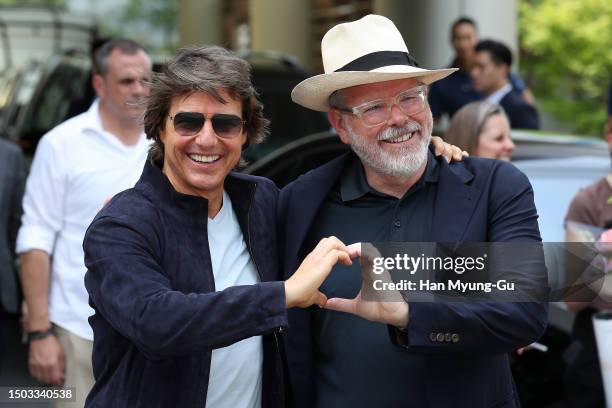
x: 52, y: 101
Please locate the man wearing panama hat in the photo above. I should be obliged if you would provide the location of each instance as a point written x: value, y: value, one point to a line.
x: 392, y: 188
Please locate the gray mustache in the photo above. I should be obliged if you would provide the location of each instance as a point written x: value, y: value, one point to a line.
x: 393, y: 132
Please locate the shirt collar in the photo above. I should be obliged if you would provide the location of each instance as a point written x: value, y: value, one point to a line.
x: 354, y: 185
x: 498, y: 95
x: 93, y: 121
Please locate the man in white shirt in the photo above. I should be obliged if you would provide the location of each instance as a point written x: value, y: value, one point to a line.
x: 77, y: 166
x: 490, y: 76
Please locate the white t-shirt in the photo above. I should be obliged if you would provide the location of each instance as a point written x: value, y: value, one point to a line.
x: 236, y: 371
x: 77, y: 166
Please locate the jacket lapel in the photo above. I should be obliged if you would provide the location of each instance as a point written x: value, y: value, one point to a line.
x: 455, y: 203
x: 307, y: 198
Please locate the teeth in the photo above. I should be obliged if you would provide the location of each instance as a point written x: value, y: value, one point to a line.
x: 203, y: 159
x: 400, y: 139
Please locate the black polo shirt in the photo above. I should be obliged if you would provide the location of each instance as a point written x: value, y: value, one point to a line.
x: 356, y: 363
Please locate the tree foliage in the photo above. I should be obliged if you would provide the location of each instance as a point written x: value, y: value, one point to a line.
x: 157, y: 14
x: 567, y: 57
x: 35, y: 3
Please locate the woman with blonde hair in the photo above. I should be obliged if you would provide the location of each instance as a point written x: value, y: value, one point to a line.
x: 482, y: 129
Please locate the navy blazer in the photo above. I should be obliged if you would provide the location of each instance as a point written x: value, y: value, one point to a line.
x: 157, y: 315
x: 478, y: 200
x: 521, y: 114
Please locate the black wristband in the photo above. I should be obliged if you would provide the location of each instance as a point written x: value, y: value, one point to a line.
x: 37, y: 335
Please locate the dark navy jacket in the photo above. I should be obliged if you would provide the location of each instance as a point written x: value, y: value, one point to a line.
x: 521, y: 114
x: 478, y: 200
x: 157, y: 315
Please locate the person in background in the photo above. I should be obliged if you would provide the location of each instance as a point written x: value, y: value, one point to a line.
x: 583, y: 383
x: 489, y: 73
x: 449, y: 94
x: 12, y: 181
x: 77, y: 166
x: 482, y: 129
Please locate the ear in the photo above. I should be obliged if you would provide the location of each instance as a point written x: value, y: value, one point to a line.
x: 335, y: 118
x: 98, y: 84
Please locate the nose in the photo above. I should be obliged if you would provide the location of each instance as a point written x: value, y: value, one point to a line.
x: 509, y: 145
x: 396, y: 116
x: 206, y: 137
x: 140, y: 89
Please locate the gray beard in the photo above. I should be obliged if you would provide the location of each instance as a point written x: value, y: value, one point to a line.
x: 402, y: 163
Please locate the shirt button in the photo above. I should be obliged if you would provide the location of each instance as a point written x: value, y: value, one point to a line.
x: 397, y: 224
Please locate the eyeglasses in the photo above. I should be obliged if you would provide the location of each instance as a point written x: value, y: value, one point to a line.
x: 377, y: 112
x: 226, y: 126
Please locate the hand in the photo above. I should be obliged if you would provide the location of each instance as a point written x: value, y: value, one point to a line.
x: 389, y: 307
x: 449, y: 151
x: 46, y: 361
x: 302, y: 288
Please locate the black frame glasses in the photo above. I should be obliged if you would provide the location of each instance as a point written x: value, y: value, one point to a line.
x: 226, y: 126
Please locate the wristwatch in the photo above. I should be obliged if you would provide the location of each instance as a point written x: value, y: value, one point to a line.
x: 37, y: 335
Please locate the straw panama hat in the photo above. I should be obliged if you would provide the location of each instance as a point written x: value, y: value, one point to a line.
x: 365, y: 51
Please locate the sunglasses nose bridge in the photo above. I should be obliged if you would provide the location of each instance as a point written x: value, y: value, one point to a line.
x: 206, y: 135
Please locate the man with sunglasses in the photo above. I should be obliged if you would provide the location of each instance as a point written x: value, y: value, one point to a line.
x: 391, y: 188
x: 78, y: 165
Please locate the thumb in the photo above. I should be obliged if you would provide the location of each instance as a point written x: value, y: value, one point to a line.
x: 342, y: 305
x: 321, y: 299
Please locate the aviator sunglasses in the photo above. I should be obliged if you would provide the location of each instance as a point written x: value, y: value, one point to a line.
x: 226, y: 126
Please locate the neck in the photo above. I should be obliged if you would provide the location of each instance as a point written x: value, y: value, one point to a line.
x: 127, y: 131
x: 395, y: 186
x: 215, y: 201
x: 465, y: 63
x: 499, y: 86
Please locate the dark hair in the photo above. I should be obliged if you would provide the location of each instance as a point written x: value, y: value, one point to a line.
x: 500, y: 53
x: 208, y: 69
x: 462, y: 20
x: 101, y: 54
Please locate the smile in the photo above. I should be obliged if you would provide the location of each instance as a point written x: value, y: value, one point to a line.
x: 199, y: 158
x: 400, y: 138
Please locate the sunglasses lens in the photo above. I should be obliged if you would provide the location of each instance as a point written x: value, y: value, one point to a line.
x: 188, y: 123
x: 227, y: 125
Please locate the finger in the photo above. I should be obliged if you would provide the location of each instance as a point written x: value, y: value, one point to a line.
x: 457, y: 156
x: 320, y: 300
x: 328, y: 244
x: 335, y: 243
x: 465, y: 154
x: 354, y: 250
x: 36, y: 372
x: 56, y: 373
x: 46, y: 375
x: 62, y: 369
x: 438, y: 144
x: 338, y: 256
x: 342, y: 305
x: 448, y: 152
